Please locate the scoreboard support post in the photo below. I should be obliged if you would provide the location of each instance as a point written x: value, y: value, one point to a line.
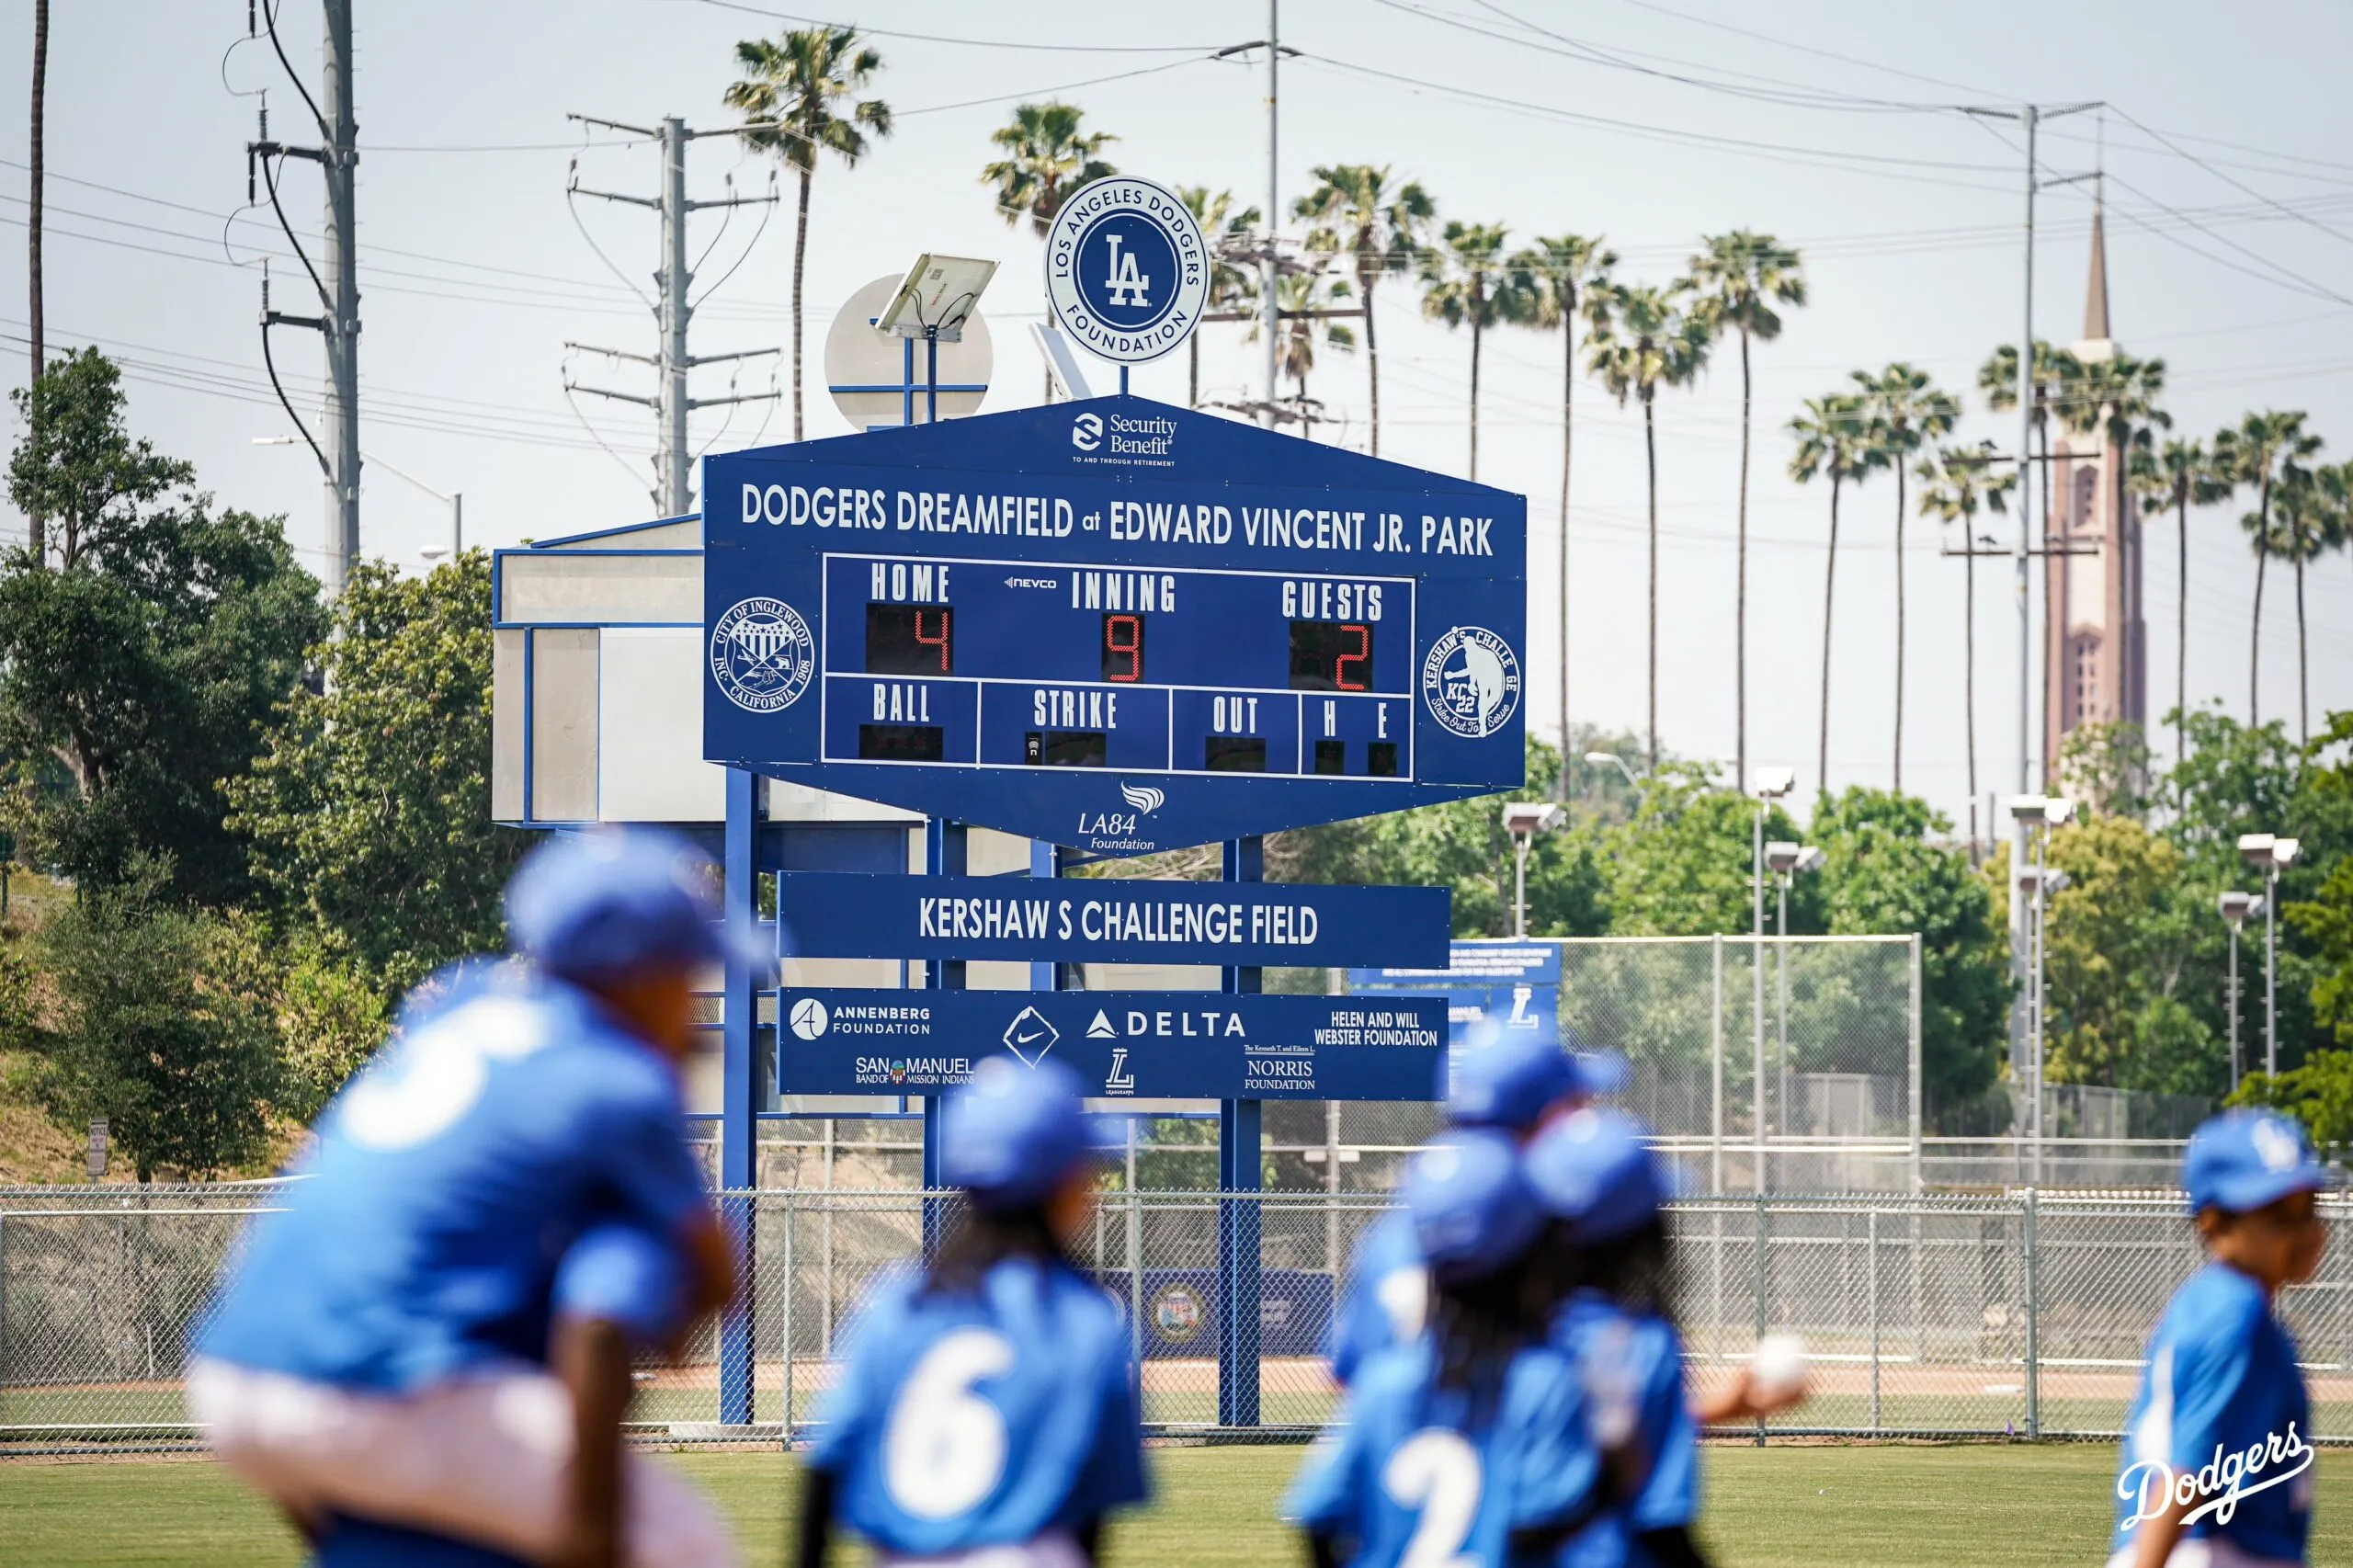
x: 943, y: 856
x: 738, y: 1131
x: 1238, y: 1254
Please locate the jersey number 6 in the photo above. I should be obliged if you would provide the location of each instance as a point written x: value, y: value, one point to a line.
x: 943, y: 1449
x: 1438, y: 1472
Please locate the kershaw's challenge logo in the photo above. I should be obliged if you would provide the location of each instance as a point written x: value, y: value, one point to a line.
x: 762, y: 654
x: 1471, y: 682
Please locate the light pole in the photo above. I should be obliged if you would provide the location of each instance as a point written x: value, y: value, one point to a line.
x: 1524, y: 820
x: 2236, y: 909
x: 2037, y: 882
x: 2270, y: 855
x: 1611, y: 759
x: 1768, y: 784
x: 1787, y: 861
x: 457, y: 502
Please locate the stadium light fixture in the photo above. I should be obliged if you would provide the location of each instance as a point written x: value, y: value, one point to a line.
x: 1524, y: 820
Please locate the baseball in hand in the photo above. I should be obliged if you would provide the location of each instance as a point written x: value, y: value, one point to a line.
x: 1778, y: 1369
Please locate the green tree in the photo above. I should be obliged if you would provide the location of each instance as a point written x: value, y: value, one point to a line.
x: 2325, y: 916
x: 1234, y: 282
x: 153, y: 1028
x: 1047, y: 157
x: 1834, y: 442
x: 368, y: 809
x: 2261, y: 450
x: 796, y: 94
x: 1886, y: 873
x: 2308, y: 520
x: 2119, y: 947
x: 1467, y: 281
x: 1568, y: 277
x: 133, y: 675
x: 1356, y: 211
x: 2179, y: 475
x: 1742, y: 276
x: 1654, y: 338
x: 2319, y: 1094
x: 1955, y: 486
x: 1681, y: 866
x: 1906, y: 412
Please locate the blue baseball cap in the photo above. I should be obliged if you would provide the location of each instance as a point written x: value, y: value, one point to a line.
x: 1513, y: 1082
x: 2245, y: 1159
x: 1593, y: 1170
x: 1014, y: 1134
x: 614, y: 902
x: 1471, y: 1209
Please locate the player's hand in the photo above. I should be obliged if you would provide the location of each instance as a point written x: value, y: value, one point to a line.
x: 1759, y: 1399
x: 587, y: 1546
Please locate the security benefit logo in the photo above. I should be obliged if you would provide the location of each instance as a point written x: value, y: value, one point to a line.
x: 762, y: 655
x: 1471, y: 682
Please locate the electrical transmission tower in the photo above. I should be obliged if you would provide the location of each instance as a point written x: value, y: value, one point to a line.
x: 337, y: 279
x: 674, y: 460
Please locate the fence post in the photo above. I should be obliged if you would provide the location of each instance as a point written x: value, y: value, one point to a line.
x: 1915, y: 1061
x: 1871, y: 1276
x: 1760, y: 1302
x: 1716, y: 1067
x: 2033, y: 1320
x: 792, y: 1287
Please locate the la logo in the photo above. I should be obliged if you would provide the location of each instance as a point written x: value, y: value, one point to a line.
x: 1127, y: 286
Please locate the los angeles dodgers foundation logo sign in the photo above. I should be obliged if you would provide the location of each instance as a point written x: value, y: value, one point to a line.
x: 762, y: 655
x: 1127, y: 270
x: 1471, y: 682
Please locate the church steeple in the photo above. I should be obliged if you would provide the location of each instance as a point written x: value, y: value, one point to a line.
x: 2096, y: 291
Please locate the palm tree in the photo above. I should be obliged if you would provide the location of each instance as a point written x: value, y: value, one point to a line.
x: 793, y: 92
x: 2308, y: 520
x: 1742, y: 276
x: 1566, y: 277
x: 1654, y: 337
x: 1234, y: 280
x: 1047, y: 158
x: 35, y: 525
x: 1998, y: 380
x: 2260, y: 450
x: 1955, y: 486
x: 2179, y: 475
x: 1906, y: 410
x: 1299, y: 296
x: 1834, y: 442
x: 1353, y: 210
x: 1466, y: 283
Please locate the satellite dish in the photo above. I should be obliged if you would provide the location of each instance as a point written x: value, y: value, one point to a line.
x: 878, y: 382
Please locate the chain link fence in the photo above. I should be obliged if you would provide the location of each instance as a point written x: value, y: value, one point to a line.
x: 2016, y: 1314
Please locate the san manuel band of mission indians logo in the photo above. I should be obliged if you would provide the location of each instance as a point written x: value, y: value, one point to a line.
x: 1471, y: 682
x: 762, y: 654
x: 1126, y: 270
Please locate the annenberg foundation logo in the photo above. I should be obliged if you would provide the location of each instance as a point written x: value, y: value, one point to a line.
x: 1471, y: 682
x: 762, y: 655
x: 1126, y: 270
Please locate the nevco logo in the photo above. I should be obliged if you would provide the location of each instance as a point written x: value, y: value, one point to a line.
x: 1086, y: 432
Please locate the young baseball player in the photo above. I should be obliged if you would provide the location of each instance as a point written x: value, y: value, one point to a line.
x: 1465, y: 1445
x: 988, y: 1412
x: 1514, y: 1085
x: 2217, y: 1469
x: 1597, y: 1178
x: 428, y: 1334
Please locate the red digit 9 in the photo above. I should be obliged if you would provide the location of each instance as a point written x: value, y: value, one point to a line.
x: 1123, y: 638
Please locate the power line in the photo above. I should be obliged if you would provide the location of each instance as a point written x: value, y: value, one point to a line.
x: 966, y: 43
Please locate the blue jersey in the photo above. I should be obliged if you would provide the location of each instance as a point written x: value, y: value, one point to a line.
x: 2221, y: 1414
x: 624, y: 1276
x: 989, y: 1417
x: 447, y: 1184
x: 1386, y: 1298
x: 1632, y: 1366
x: 1411, y: 1474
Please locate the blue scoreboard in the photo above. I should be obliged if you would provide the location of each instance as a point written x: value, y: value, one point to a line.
x: 1114, y: 625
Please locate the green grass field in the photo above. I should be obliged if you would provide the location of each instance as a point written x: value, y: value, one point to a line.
x: 1802, y: 1507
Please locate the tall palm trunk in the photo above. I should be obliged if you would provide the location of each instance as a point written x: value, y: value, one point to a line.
x: 1650, y: 458
x: 1365, y: 277
x: 1193, y: 371
x: 1969, y: 664
x: 799, y: 255
x: 2303, y: 704
x: 1740, y: 613
x: 1829, y: 581
x: 2181, y: 625
x: 35, y: 523
x: 1568, y: 396
x: 2254, y: 630
x: 1899, y: 625
x: 1475, y: 336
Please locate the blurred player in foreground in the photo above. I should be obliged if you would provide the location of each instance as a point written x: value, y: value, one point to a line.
x: 1515, y: 1086
x: 986, y: 1413
x: 1467, y: 1446
x: 435, y: 1332
x: 1604, y: 1189
x: 2217, y: 1469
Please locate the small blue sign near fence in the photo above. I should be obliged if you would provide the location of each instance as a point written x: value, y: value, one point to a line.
x: 1490, y: 988
x: 1148, y: 1044
x: 1107, y: 920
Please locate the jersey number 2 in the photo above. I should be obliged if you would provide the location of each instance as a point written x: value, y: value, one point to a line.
x: 943, y: 1449
x: 1436, y: 1473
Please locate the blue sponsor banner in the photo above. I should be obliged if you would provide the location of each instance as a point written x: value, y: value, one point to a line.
x: 1107, y: 920
x: 1181, y: 1317
x: 1148, y: 1044
x: 1471, y: 962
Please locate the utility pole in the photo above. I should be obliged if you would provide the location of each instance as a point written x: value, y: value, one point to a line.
x: 674, y: 458
x: 1272, y: 268
x: 35, y: 524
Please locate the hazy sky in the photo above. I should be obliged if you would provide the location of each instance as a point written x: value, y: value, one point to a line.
x: 2231, y: 215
